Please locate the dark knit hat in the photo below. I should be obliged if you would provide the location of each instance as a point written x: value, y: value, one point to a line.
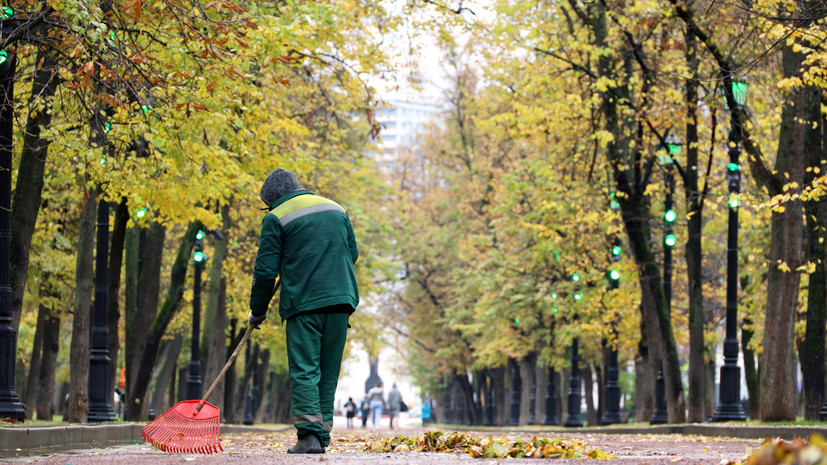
x: 278, y: 184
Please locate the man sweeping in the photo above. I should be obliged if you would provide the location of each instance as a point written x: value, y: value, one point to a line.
x: 308, y: 241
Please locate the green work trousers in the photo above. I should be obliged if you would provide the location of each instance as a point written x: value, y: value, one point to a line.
x: 315, y: 343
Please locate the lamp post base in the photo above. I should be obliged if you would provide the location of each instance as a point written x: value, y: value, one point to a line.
x: 660, y: 416
x: 11, y: 409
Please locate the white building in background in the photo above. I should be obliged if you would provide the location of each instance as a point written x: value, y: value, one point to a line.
x: 400, y: 122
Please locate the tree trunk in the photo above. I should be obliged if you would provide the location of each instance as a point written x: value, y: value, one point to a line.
x: 166, y: 374
x: 631, y: 185
x: 217, y: 332
x: 527, y: 368
x: 261, y: 378
x: 162, y: 320
x: 645, y: 375
x: 542, y: 383
x: 652, y: 295
x: 29, y: 185
x: 250, y: 364
x: 588, y: 384
x: 500, y: 402
x: 139, y: 317
x: 30, y: 391
x: 213, y: 341
x: 281, y: 413
x: 113, y: 311
x: 812, y: 363
x: 466, y: 391
x: 78, y: 405
x: 230, y: 379
x: 215, y: 315
x: 48, y: 367
x: 694, y: 250
x: 778, y: 385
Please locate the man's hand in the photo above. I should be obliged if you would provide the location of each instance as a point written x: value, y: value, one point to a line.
x: 255, y: 321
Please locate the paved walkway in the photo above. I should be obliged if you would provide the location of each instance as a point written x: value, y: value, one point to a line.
x: 348, y: 448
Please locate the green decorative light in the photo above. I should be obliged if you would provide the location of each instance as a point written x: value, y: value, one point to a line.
x: 103, y: 159
x: 7, y: 12
x: 140, y: 213
x: 106, y: 128
x: 146, y: 108
x: 613, y: 203
x: 732, y: 166
x: 739, y: 92
x: 578, y: 296
x: 4, y: 56
x: 517, y: 320
x: 616, y: 251
x: 734, y: 200
x: 553, y: 295
x: 670, y: 240
x: 198, y: 257
x: 670, y: 216
x: 614, y: 275
x: 199, y: 235
x: 575, y: 277
x: 674, y: 149
x: 554, y: 309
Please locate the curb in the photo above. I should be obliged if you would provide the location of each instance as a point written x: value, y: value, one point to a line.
x: 732, y: 431
x: 15, y: 438
x: 17, y: 441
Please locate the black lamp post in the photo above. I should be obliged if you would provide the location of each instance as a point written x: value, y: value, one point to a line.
x: 552, y: 396
x: 194, y: 380
x: 729, y: 403
x: 659, y: 415
x: 516, y: 385
x: 100, y: 392
x: 573, y: 415
x: 489, y: 402
x: 10, y: 405
x: 550, y: 417
x: 666, y: 158
x: 612, y: 413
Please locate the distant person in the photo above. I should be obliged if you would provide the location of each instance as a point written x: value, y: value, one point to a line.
x: 426, y: 411
x: 365, y: 410
x: 307, y: 241
x: 394, y: 404
x: 350, y: 412
x: 377, y: 403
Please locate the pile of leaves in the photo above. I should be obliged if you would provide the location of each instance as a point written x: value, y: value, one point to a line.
x: 438, y: 441
x: 778, y: 451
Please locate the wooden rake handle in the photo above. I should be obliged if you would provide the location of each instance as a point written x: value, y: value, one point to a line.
x: 232, y: 359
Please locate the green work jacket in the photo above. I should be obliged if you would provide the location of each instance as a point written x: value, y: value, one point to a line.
x: 308, y: 241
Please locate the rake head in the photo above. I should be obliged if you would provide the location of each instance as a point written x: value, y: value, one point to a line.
x: 185, y: 428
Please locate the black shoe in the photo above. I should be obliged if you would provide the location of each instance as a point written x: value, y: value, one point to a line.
x: 307, y: 445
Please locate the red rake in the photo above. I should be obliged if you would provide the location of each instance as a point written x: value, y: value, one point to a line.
x: 191, y: 426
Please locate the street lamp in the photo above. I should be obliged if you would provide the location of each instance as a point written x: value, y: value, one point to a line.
x: 666, y: 158
x: 612, y: 413
x: 573, y: 415
x: 10, y: 405
x: 729, y: 400
x: 100, y: 391
x: 194, y: 380
x: 550, y: 414
x: 516, y: 386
